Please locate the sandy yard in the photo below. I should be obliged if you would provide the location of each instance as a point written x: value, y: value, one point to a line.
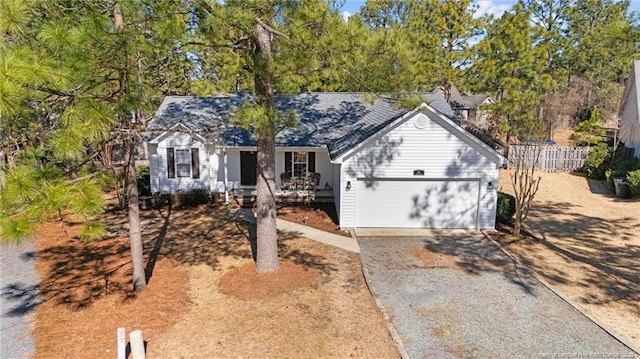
x: 204, y: 299
x: 588, y: 248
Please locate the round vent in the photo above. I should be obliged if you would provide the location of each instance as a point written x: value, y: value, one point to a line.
x: 421, y: 121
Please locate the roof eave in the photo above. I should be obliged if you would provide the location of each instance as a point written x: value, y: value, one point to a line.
x: 497, y: 157
x: 173, y: 129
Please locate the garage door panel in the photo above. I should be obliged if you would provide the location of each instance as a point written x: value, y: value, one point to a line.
x: 417, y: 204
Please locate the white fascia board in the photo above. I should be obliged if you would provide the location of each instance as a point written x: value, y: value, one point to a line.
x: 281, y: 148
x: 300, y: 148
x: 442, y: 121
x: 464, y: 134
x: 176, y: 128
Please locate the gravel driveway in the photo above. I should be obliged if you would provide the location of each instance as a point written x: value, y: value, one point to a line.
x: 18, y: 298
x: 451, y: 295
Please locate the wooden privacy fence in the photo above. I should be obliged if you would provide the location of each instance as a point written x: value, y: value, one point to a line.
x: 549, y: 158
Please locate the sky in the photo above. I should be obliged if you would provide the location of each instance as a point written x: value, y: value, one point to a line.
x: 496, y: 7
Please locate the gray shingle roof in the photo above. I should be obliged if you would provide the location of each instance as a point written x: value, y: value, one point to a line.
x: 466, y: 101
x: 338, y: 121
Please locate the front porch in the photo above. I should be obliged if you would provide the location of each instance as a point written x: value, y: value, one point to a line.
x: 247, y: 196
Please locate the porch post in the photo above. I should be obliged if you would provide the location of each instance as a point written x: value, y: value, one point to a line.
x: 226, y: 178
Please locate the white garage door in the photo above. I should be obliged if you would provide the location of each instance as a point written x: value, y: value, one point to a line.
x: 408, y: 203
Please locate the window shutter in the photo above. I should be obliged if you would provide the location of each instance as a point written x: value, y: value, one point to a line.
x: 287, y: 162
x: 171, y: 163
x: 195, y: 163
x: 312, y: 161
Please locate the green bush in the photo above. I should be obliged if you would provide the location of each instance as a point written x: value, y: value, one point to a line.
x: 596, y: 162
x: 143, y: 177
x: 589, y: 132
x: 634, y: 182
x: 623, y: 161
x: 191, y: 198
x: 506, y: 207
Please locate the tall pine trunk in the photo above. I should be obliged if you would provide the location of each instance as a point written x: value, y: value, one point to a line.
x: 133, y: 209
x: 267, y: 246
x: 139, y: 278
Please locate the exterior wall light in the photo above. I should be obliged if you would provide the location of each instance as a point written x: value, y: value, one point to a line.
x: 348, y: 188
x: 490, y: 186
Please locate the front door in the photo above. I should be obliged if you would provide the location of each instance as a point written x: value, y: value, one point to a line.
x: 248, y: 164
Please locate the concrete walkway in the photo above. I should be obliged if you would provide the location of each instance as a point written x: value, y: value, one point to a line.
x: 18, y: 298
x: 346, y: 243
x: 456, y: 295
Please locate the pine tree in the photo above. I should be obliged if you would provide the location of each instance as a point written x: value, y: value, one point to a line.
x: 512, y: 67
x: 277, y: 43
x: 601, y: 45
x: 443, y: 30
x: 73, y: 77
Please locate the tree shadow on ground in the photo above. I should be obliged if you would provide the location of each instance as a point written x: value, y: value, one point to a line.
x: 606, y: 252
x: 600, y: 187
x: 476, y: 255
x: 19, y: 297
x: 24, y: 295
x: 79, y: 273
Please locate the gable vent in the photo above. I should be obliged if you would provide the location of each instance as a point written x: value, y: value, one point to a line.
x: 420, y: 121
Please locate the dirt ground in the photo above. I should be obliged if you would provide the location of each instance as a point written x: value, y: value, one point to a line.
x: 204, y: 299
x: 322, y: 216
x: 587, y: 247
x: 562, y: 136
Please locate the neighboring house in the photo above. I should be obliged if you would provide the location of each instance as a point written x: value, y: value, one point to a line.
x: 468, y: 107
x: 385, y: 166
x: 629, y: 111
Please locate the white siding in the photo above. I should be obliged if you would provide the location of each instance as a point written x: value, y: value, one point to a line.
x: 154, y: 168
x: 233, y: 167
x: 158, y: 163
x: 216, y: 166
x: 432, y: 149
x: 336, y: 184
x: 323, y: 166
x: 630, y: 116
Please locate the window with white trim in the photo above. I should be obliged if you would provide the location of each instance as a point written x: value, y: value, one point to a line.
x: 183, y: 163
x: 300, y: 161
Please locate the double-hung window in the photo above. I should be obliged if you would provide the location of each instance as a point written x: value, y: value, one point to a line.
x: 299, y: 164
x: 183, y: 163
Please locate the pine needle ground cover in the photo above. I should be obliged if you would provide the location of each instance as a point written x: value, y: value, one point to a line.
x: 204, y: 298
x: 586, y: 245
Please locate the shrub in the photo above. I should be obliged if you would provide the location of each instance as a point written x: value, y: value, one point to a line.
x: 634, y: 182
x: 623, y: 161
x: 596, y: 163
x: 589, y: 132
x: 191, y: 198
x: 143, y: 177
x: 506, y: 207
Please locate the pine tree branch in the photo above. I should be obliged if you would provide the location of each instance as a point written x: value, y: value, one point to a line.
x: 58, y: 93
x: 233, y: 45
x: 270, y: 29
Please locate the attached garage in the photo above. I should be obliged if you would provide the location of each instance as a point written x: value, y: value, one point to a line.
x: 422, y: 203
x: 422, y: 171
